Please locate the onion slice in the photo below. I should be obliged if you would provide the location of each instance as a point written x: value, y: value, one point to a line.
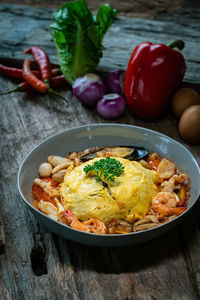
x: 88, y: 89
x: 111, y: 106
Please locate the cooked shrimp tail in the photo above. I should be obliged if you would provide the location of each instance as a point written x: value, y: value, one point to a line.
x: 92, y: 225
x: 177, y: 210
x: 95, y: 226
x: 166, y: 203
x: 73, y: 221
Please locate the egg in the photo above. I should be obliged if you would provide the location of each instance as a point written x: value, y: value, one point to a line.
x: 189, y: 124
x: 182, y: 99
x: 128, y: 198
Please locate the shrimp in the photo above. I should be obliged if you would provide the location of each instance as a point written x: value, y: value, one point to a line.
x: 180, y: 183
x: 174, y: 183
x: 95, y: 226
x: 92, y: 225
x: 166, y: 203
x: 49, y: 209
x: 73, y: 221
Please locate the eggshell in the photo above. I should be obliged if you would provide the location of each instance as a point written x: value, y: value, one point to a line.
x: 189, y: 124
x: 182, y: 99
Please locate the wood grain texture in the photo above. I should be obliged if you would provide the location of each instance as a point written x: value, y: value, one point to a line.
x: 38, y: 264
x: 32, y: 27
x: 141, y: 8
x: 2, y: 237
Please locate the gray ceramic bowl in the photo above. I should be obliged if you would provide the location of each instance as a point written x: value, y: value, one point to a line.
x: 106, y: 134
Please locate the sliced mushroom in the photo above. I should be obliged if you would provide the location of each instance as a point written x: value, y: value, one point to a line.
x: 62, y: 166
x: 57, y: 160
x: 59, y: 176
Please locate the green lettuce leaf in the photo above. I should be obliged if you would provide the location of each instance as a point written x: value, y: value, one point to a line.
x: 78, y: 36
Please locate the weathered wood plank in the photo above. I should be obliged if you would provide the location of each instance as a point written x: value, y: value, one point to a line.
x: 179, y: 10
x: 122, y: 38
x: 40, y: 265
x: 118, y: 271
x: 190, y: 244
x: 2, y: 237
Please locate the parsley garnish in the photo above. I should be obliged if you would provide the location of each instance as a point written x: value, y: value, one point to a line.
x: 108, y: 168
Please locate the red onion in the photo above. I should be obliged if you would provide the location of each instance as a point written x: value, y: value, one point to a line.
x: 88, y: 89
x: 111, y: 106
x: 115, y: 81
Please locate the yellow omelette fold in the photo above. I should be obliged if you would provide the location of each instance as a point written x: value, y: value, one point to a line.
x: 128, y: 198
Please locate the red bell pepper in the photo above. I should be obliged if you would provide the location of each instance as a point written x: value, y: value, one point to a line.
x: 154, y: 73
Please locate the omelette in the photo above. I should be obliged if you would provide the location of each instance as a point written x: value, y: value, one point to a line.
x: 128, y: 198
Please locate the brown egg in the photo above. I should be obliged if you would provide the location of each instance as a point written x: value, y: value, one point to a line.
x: 189, y: 124
x: 182, y: 99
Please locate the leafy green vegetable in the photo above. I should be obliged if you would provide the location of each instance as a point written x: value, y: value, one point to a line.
x: 109, y: 168
x: 78, y: 36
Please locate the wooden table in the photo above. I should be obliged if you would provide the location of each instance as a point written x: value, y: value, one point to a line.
x: 38, y: 264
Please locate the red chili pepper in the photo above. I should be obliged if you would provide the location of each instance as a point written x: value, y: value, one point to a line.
x: 28, y: 75
x: 42, y: 60
x: 36, y: 83
x: 55, y: 82
x: 13, y: 72
x: 22, y: 87
x: 16, y: 73
x: 154, y: 73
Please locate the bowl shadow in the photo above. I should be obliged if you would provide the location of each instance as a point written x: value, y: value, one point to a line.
x: 170, y: 246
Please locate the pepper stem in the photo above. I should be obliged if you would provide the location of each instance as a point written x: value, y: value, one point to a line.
x: 179, y: 44
x: 49, y: 100
x: 11, y: 91
x: 50, y: 91
x: 47, y: 82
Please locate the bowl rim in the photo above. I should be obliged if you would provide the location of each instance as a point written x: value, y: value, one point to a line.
x: 107, y: 125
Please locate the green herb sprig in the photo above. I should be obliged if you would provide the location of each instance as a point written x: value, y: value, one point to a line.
x: 107, y: 168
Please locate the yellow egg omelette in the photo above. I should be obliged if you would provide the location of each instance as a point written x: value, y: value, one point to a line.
x: 127, y: 198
